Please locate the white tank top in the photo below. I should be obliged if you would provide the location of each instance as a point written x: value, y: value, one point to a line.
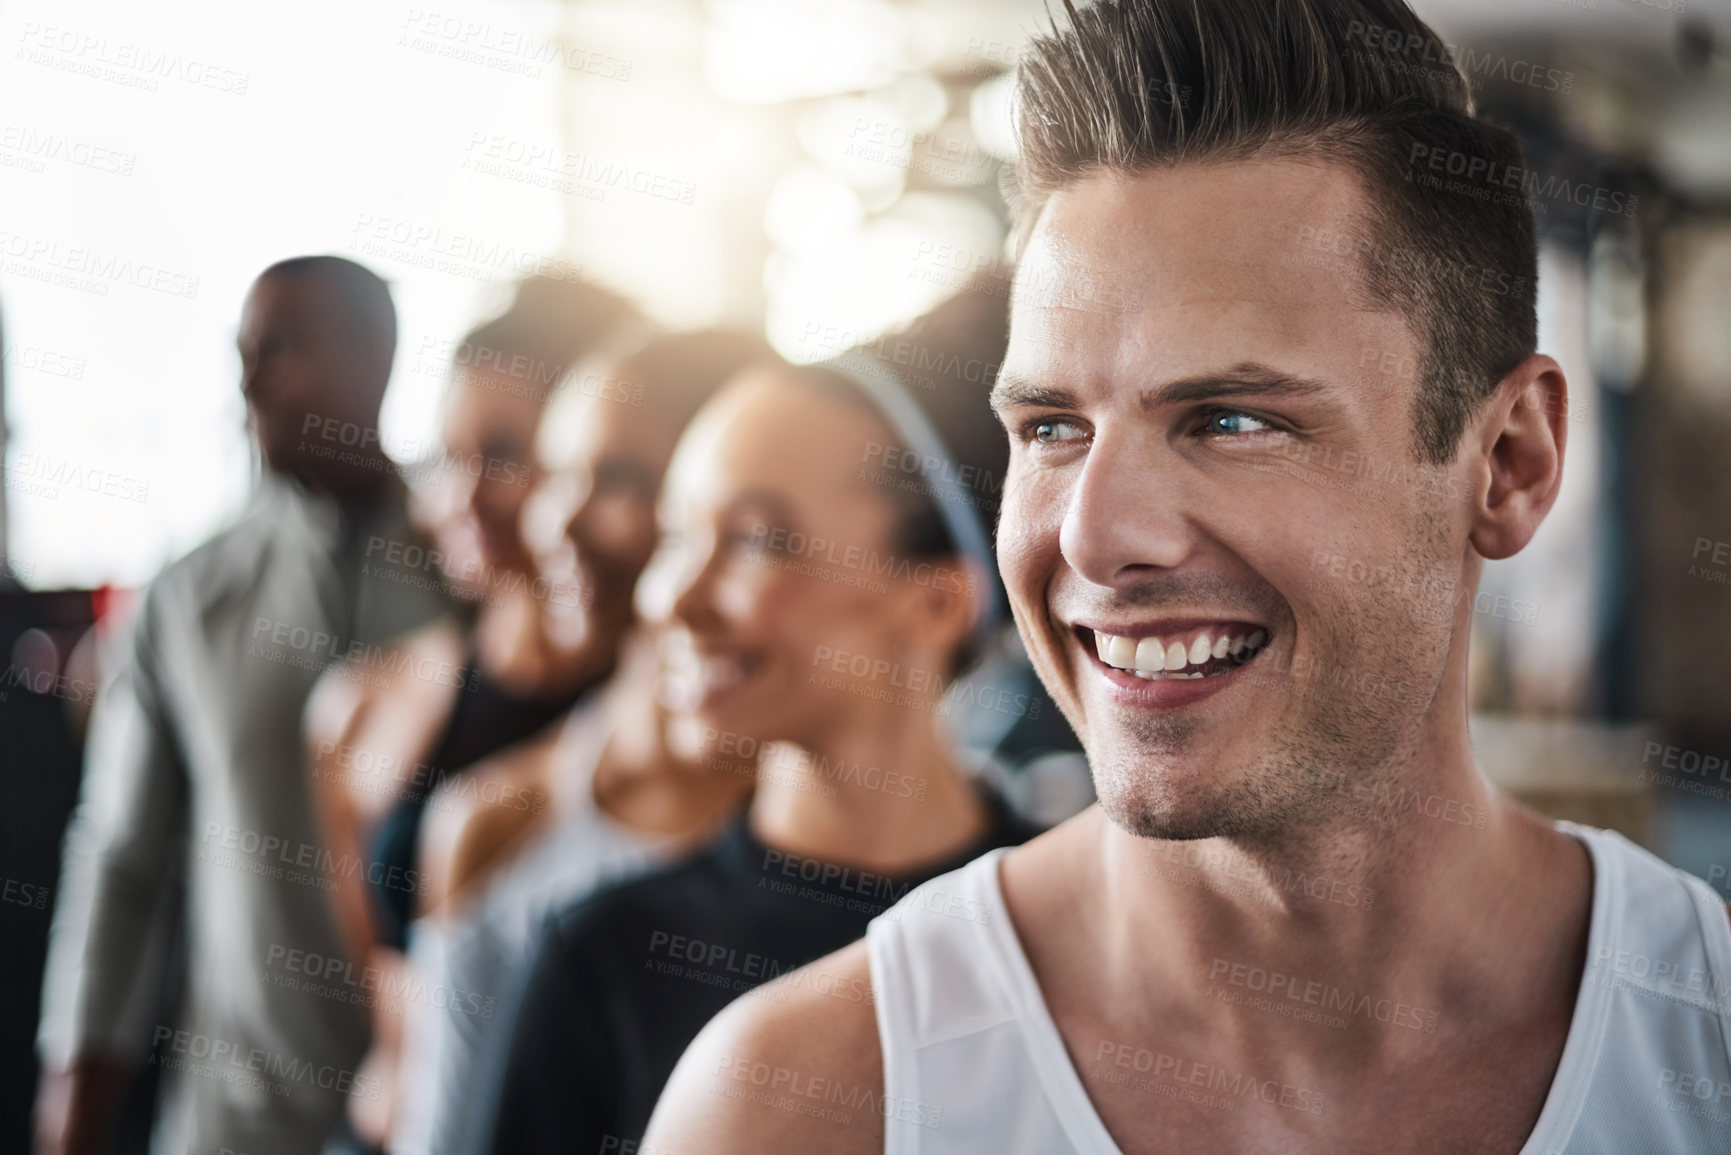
x: 973, y: 1061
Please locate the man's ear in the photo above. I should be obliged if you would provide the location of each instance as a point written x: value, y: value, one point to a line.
x: 1520, y: 437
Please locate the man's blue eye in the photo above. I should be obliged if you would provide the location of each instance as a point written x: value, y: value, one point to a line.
x: 1051, y: 431
x: 1229, y: 421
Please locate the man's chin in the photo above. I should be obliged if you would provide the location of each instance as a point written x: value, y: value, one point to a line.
x: 1159, y: 824
x: 1167, y: 796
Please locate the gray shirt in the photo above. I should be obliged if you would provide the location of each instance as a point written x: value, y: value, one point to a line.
x: 195, y: 759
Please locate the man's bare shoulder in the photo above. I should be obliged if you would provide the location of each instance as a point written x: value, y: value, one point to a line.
x: 792, y: 1066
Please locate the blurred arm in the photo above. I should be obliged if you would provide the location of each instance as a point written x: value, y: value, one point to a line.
x: 124, y: 839
x: 76, y: 1106
x: 470, y: 834
x: 332, y: 714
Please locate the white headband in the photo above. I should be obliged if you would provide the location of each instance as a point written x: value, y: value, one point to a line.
x: 909, y: 421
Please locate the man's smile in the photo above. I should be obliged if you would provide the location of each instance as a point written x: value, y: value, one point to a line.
x: 1169, y: 662
x: 1178, y: 652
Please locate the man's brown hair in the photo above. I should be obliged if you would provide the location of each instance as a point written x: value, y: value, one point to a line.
x: 1131, y: 85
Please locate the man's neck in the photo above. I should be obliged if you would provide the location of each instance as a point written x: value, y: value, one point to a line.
x: 1391, y: 930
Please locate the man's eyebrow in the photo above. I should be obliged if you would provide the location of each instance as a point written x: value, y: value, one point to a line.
x: 1011, y: 391
x: 1248, y: 377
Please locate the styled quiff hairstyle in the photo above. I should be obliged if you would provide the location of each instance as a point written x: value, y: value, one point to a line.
x: 1133, y: 85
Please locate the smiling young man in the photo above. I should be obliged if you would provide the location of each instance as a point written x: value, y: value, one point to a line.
x: 1242, y: 557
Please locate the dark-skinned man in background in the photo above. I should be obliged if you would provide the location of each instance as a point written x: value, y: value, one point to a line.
x: 195, y: 762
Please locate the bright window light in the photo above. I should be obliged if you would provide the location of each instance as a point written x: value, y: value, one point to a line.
x: 154, y: 159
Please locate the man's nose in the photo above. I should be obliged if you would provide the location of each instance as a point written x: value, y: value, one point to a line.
x: 1126, y: 513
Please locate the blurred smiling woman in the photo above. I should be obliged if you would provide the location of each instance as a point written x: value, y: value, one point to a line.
x: 813, y: 610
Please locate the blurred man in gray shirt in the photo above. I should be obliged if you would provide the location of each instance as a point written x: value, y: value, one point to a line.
x: 195, y: 761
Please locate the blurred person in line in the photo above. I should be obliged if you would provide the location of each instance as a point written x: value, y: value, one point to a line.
x: 813, y: 608
x: 602, y: 793
x: 194, y: 760
x: 1300, y: 919
x: 383, y: 732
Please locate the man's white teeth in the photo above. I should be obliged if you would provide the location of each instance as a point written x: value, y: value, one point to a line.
x: 1154, y: 658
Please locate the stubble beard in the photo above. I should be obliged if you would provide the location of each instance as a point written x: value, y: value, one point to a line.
x: 1319, y: 764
